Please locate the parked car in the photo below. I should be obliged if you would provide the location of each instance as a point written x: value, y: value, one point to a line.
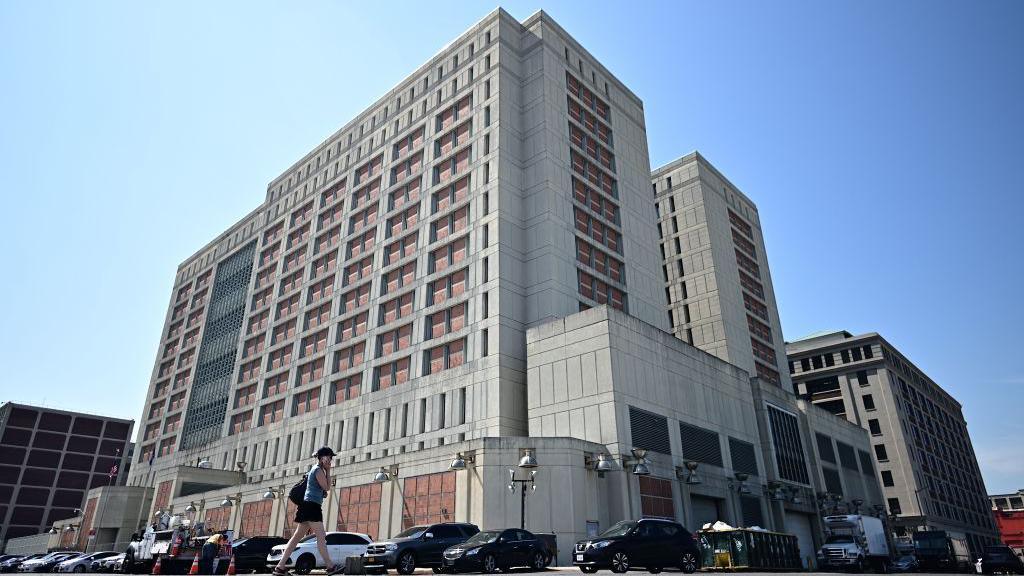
x: 648, y: 543
x: 905, y: 563
x: 306, y: 557
x: 11, y: 564
x: 6, y: 557
x: 417, y: 547
x: 490, y: 550
x: 45, y: 563
x: 1000, y: 559
x: 106, y: 564
x: 251, y: 553
x: 82, y: 563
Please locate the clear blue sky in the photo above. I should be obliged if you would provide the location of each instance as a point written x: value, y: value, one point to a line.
x: 881, y: 141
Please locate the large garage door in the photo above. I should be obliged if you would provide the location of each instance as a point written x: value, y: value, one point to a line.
x: 705, y: 511
x: 800, y: 525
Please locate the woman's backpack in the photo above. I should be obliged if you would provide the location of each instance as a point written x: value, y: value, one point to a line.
x: 298, y: 492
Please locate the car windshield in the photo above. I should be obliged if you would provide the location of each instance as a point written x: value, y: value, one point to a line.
x: 618, y: 529
x: 308, y: 538
x: 485, y: 537
x: 413, y: 532
x: 840, y: 539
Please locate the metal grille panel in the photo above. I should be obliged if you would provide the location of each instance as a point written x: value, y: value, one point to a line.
x: 744, y: 458
x: 649, y: 430
x: 865, y: 463
x: 832, y: 483
x: 825, y: 449
x: 208, y: 400
x: 789, y: 450
x: 846, y: 456
x: 751, y: 507
x: 700, y: 445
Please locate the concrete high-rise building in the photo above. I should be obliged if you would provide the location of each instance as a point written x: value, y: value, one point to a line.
x: 469, y: 268
x: 925, y: 459
x: 378, y: 299
x: 49, y: 459
x: 715, y: 268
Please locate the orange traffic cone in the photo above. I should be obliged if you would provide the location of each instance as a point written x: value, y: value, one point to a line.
x: 231, y: 566
x: 156, y: 567
x: 195, y: 566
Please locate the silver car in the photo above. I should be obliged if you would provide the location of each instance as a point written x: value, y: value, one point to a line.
x: 40, y: 564
x: 83, y: 563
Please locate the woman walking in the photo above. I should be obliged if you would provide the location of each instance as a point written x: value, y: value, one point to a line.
x: 309, y: 514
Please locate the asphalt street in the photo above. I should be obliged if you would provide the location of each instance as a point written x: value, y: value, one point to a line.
x: 569, y: 570
x: 559, y: 571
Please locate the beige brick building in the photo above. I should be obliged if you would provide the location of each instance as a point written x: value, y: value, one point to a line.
x: 920, y: 443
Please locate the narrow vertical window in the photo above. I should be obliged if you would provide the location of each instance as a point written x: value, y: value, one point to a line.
x: 483, y: 342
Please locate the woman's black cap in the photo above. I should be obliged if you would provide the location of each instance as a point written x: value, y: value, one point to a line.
x: 325, y: 451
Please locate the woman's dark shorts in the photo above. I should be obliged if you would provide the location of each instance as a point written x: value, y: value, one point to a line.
x: 309, y: 512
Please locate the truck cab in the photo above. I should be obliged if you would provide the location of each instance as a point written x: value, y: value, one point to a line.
x: 854, y: 541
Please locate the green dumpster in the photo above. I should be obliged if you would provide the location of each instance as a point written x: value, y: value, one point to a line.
x: 741, y: 548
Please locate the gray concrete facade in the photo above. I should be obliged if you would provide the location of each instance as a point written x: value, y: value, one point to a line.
x: 612, y: 379
x: 920, y: 443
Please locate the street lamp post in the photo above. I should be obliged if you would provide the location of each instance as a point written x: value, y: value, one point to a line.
x: 527, y: 462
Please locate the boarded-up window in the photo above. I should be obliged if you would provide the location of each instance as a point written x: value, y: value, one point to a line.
x: 256, y: 518
x: 359, y: 509
x: 656, y: 498
x: 428, y: 499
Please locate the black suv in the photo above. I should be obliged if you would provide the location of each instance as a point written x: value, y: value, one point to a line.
x: 649, y: 543
x: 1000, y: 559
x: 251, y: 553
x: 491, y: 550
x: 419, y: 546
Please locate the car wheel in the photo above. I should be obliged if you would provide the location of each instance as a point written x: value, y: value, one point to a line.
x: 406, y: 563
x: 304, y: 564
x: 620, y: 562
x: 588, y: 569
x: 489, y: 564
x: 80, y: 568
x: 539, y: 562
x: 688, y: 562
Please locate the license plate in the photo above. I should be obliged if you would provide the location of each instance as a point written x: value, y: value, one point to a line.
x: 449, y: 561
x: 579, y: 557
x: 371, y: 560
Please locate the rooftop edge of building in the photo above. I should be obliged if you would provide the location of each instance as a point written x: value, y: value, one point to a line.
x: 427, y: 67
x: 12, y: 404
x: 702, y: 160
x: 825, y: 339
x: 539, y: 15
x: 767, y: 390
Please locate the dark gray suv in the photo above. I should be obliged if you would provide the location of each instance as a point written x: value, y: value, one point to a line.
x: 417, y: 547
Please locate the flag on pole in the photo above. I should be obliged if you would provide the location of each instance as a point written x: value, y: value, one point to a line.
x: 113, y: 471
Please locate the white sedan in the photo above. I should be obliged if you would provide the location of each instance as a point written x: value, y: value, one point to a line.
x: 83, y: 563
x: 306, y: 557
